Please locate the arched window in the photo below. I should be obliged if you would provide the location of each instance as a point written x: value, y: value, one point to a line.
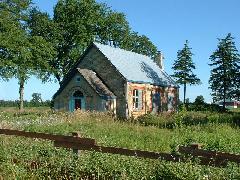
x: 77, y: 94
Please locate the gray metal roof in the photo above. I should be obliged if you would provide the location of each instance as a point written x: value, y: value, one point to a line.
x: 136, y: 67
x: 91, y: 77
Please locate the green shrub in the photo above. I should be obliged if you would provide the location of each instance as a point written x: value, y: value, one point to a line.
x: 163, y: 120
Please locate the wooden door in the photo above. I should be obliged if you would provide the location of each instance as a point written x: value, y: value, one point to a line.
x: 78, y: 104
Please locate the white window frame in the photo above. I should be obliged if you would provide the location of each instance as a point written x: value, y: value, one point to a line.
x: 135, y: 99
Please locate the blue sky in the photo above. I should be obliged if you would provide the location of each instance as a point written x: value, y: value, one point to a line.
x: 168, y: 24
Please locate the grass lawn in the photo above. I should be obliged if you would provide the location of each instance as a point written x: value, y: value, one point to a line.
x: 23, y: 158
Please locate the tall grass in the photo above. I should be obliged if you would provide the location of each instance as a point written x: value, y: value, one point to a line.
x: 22, y: 158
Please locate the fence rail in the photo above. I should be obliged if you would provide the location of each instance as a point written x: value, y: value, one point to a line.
x: 77, y: 143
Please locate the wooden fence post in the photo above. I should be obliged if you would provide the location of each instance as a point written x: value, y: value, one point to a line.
x: 76, y: 151
x: 195, y: 146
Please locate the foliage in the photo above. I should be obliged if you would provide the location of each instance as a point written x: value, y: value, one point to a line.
x: 28, y: 159
x: 188, y: 118
x: 163, y: 120
x: 199, y: 100
x: 21, y: 54
x: 36, y: 98
x: 12, y: 103
x: 24, y: 158
x: 200, y: 105
x: 225, y: 74
x: 204, y: 107
x: 183, y: 67
x: 76, y: 24
x: 140, y: 44
x: 179, y: 117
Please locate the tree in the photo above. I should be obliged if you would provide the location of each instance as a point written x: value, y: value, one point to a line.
x: 21, y: 54
x: 199, y: 100
x: 140, y: 44
x: 36, y: 99
x: 77, y: 23
x: 225, y: 74
x: 183, y: 67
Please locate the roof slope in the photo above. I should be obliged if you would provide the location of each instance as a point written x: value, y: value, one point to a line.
x: 136, y: 67
x: 92, y: 79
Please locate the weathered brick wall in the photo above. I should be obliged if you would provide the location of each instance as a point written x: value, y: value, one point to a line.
x: 147, y: 92
x: 97, y: 62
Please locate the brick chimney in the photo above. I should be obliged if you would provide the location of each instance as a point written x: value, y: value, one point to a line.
x: 159, y: 60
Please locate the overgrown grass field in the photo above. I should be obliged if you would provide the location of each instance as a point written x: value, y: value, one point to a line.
x: 23, y: 158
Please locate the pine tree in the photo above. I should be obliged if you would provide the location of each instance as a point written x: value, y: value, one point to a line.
x: 224, y: 79
x: 183, y: 67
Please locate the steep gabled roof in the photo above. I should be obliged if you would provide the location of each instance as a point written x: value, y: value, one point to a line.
x: 136, y: 67
x: 132, y: 66
x: 92, y: 79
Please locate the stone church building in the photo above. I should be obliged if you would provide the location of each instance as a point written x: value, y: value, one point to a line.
x: 113, y: 79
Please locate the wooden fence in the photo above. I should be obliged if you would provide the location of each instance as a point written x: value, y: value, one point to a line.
x: 75, y: 142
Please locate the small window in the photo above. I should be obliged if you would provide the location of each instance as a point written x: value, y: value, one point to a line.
x: 135, y: 99
x: 170, y: 102
x: 78, y: 79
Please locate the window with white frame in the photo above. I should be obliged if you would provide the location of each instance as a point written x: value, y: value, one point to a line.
x: 135, y: 99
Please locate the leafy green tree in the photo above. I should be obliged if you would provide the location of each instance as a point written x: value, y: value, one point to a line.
x: 21, y: 54
x: 225, y: 74
x: 183, y: 69
x: 140, y: 44
x: 199, y: 100
x: 36, y: 99
x: 77, y: 23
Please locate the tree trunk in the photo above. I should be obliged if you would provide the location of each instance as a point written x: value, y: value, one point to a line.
x: 21, y: 92
x: 184, y: 93
x: 224, y: 89
x: 224, y: 98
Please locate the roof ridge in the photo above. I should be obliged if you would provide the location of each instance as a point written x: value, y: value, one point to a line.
x: 135, y: 67
x: 118, y: 48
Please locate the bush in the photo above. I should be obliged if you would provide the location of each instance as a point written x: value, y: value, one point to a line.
x: 163, y: 120
x: 189, y: 118
x: 203, y: 107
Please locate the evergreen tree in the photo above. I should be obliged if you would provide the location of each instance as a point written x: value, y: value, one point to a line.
x: 183, y: 67
x: 225, y: 62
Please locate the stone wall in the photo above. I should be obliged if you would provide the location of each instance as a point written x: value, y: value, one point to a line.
x: 115, y: 82
x: 123, y: 105
x: 92, y: 100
